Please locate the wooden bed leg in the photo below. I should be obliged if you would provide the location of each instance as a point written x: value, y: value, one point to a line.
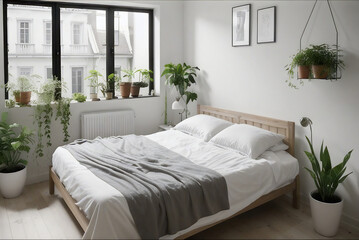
x: 296, y: 194
x: 51, y: 183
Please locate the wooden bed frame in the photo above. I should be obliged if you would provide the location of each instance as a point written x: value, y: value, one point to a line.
x: 274, y: 125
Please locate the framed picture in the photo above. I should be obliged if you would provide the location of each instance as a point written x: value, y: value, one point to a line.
x: 266, y: 24
x: 241, y: 25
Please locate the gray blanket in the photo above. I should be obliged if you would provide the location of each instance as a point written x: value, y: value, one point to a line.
x: 165, y: 191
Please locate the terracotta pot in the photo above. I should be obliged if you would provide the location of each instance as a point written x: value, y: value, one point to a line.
x: 326, y: 216
x: 17, y: 96
x: 135, y: 91
x: 303, y: 72
x: 125, y: 89
x: 109, y: 95
x: 320, y: 71
x: 25, y: 97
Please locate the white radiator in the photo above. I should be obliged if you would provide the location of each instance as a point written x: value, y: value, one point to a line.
x: 106, y: 124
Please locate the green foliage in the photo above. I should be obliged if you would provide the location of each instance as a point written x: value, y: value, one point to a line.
x: 129, y: 74
x: 94, y: 79
x: 10, y: 103
x: 140, y: 84
x: 79, y: 97
x: 321, y: 54
x: 14, y: 139
x: 63, y: 113
x: 326, y: 177
x: 181, y: 76
x: 44, y: 112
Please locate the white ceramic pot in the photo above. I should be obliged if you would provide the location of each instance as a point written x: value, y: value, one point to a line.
x: 12, y: 184
x: 326, y: 216
x: 93, y: 95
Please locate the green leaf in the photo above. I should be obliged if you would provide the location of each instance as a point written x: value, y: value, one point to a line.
x: 16, y: 145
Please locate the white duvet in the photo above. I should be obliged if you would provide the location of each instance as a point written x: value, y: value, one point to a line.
x: 247, y: 180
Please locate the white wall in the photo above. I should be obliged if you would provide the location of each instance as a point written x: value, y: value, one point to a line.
x: 252, y: 79
x: 148, y: 110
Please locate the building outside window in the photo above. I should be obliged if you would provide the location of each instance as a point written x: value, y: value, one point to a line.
x: 77, y: 79
x: 24, y: 31
x: 24, y: 71
x: 76, y: 33
x: 48, y: 32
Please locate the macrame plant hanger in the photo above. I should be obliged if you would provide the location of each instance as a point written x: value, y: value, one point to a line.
x: 336, y: 76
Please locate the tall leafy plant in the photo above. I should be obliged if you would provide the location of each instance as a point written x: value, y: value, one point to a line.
x: 94, y: 80
x: 182, y: 76
x: 325, y: 176
x: 14, y: 139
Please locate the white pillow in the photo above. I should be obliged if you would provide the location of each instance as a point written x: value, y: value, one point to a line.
x: 202, y: 126
x: 246, y: 139
x: 281, y: 146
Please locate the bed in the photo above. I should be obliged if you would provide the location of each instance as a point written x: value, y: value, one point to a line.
x: 81, y: 190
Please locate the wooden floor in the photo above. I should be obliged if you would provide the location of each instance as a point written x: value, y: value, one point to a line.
x: 36, y: 214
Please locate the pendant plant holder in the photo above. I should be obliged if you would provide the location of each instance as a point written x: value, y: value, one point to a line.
x: 335, y: 67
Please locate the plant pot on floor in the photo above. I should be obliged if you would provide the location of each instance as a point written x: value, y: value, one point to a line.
x: 125, y: 89
x: 109, y: 95
x: 25, y: 97
x: 320, y: 71
x: 326, y: 216
x: 12, y: 183
x: 135, y: 91
x: 303, y: 72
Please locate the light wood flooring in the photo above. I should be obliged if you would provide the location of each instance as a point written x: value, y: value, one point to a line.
x: 37, y: 215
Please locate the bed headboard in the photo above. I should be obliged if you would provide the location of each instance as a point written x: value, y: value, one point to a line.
x: 282, y: 127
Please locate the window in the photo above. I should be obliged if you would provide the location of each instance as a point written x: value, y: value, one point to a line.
x: 79, y: 38
x: 25, y: 71
x: 48, y: 32
x: 24, y: 31
x: 76, y: 33
x: 77, y: 78
x: 48, y: 73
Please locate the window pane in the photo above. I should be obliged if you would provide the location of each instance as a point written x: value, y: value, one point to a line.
x: 83, y: 46
x: 28, y: 55
x: 132, y: 48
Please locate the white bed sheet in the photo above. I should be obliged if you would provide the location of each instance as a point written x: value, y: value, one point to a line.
x: 247, y: 180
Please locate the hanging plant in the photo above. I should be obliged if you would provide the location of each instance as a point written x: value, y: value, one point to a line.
x: 42, y: 116
x: 63, y: 113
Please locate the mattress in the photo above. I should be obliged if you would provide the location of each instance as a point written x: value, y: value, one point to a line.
x: 247, y: 180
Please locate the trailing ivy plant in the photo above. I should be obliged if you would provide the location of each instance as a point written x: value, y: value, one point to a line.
x: 44, y: 112
x: 63, y: 113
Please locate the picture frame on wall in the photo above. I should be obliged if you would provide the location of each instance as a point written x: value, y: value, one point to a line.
x: 241, y: 25
x: 266, y: 25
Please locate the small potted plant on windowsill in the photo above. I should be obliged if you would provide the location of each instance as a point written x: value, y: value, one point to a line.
x: 79, y: 97
x: 125, y: 86
x: 14, y: 139
x: 94, y: 84
x: 144, y: 79
x: 112, y: 80
x: 25, y: 86
x: 326, y: 205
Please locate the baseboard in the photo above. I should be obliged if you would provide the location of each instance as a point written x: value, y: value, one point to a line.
x: 37, y: 178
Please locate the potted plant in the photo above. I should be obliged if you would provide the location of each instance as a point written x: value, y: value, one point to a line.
x: 94, y: 84
x: 326, y: 205
x: 14, y: 140
x: 112, y: 80
x: 144, y: 79
x: 125, y: 86
x: 301, y: 61
x: 181, y: 76
x: 25, y: 85
x: 324, y: 60
x: 79, y: 97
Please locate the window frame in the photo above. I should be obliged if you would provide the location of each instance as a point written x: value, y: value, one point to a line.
x: 45, y: 32
x: 81, y: 82
x: 56, y: 34
x: 19, y: 21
